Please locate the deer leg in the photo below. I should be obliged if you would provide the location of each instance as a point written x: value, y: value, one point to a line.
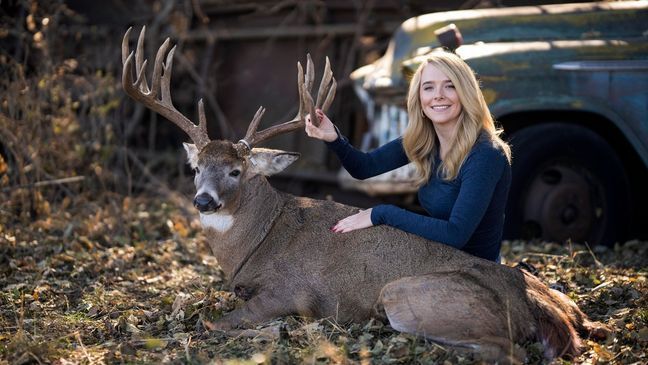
x: 259, y: 309
x: 454, y: 309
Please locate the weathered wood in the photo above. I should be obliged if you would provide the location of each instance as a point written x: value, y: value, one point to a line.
x: 293, y: 31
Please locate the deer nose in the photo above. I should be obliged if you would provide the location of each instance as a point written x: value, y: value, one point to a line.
x: 205, y: 203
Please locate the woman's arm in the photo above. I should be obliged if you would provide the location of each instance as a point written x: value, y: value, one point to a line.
x: 480, y: 177
x: 361, y: 165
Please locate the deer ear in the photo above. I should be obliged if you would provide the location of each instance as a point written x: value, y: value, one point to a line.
x: 192, y: 154
x: 268, y: 162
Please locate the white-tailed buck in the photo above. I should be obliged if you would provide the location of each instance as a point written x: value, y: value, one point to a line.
x: 279, y: 255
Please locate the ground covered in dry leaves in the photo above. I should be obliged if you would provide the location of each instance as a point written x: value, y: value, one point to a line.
x: 130, y: 280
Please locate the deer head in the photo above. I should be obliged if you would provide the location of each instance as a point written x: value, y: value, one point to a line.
x: 221, y: 167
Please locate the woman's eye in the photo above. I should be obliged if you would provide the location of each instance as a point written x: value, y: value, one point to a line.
x: 450, y: 86
x: 235, y: 173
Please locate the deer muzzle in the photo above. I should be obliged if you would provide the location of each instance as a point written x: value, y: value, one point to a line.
x: 205, y: 203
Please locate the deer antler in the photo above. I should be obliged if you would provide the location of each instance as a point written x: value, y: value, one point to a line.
x: 325, y: 97
x: 161, y: 81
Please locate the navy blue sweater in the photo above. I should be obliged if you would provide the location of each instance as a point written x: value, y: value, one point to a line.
x: 466, y: 213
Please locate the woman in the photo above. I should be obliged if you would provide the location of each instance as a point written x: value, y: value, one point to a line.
x: 462, y: 164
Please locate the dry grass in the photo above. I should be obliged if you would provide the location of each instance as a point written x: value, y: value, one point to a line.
x: 132, y: 281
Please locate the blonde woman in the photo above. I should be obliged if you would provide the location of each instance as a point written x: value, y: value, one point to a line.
x: 463, y: 166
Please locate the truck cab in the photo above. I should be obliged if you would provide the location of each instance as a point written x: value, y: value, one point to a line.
x: 567, y: 83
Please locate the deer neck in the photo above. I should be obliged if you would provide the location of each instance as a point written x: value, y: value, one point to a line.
x: 236, y: 237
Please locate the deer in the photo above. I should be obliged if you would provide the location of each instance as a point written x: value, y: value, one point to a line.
x: 279, y: 255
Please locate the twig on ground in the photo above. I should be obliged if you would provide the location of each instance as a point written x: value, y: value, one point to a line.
x: 596, y: 261
x: 83, y: 348
x: 186, y: 348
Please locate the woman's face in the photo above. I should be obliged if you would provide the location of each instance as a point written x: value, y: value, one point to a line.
x: 439, y: 99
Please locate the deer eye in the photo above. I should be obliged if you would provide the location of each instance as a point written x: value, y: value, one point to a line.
x: 235, y: 173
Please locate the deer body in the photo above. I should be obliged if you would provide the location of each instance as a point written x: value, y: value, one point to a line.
x: 316, y: 272
x: 280, y: 256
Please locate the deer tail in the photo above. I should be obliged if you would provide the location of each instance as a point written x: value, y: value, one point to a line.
x: 556, y: 330
x: 558, y: 319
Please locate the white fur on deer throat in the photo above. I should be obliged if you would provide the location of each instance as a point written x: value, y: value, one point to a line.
x: 218, y: 222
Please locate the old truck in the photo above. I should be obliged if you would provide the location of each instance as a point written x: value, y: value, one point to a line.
x: 568, y: 84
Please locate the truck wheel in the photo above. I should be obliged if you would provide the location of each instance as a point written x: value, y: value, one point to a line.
x: 568, y: 184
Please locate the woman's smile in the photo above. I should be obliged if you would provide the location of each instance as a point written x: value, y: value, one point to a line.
x: 440, y: 108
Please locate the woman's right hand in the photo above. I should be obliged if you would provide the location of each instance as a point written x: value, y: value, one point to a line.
x: 326, y: 130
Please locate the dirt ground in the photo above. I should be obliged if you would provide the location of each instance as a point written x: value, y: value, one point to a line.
x: 118, y: 279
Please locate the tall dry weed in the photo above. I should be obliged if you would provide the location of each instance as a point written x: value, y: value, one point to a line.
x: 65, y: 124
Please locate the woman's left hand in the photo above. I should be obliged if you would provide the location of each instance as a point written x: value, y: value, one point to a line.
x: 353, y: 222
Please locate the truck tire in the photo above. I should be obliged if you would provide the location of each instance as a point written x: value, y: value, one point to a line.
x: 568, y: 184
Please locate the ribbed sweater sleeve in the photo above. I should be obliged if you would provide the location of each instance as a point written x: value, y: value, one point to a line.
x: 363, y: 165
x: 478, y: 178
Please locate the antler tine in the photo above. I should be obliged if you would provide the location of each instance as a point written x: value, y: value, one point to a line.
x: 310, y: 106
x: 141, y: 77
x: 330, y: 96
x: 310, y: 73
x: 140, y: 63
x: 165, y: 79
x: 254, y: 124
x: 202, y: 121
x: 325, y: 84
x: 300, y: 87
x: 125, y: 49
x: 139, y: 91
x: 158, y: 67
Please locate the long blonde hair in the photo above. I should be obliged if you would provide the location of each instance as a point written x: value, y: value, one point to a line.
x: 420, y: 140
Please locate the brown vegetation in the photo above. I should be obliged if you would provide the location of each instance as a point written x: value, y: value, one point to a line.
x: 115, y: 279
